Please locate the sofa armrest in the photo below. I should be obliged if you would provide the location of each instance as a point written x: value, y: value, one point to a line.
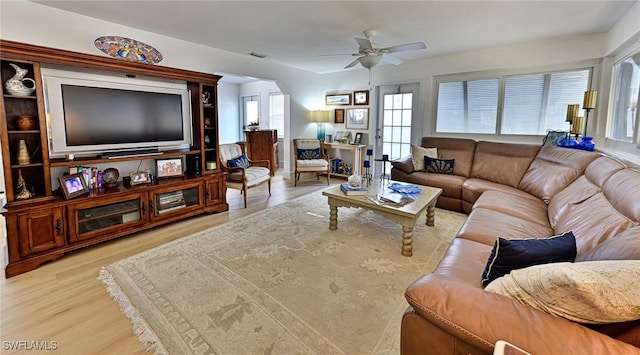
x: 405, y: 164
x: 481, y: 318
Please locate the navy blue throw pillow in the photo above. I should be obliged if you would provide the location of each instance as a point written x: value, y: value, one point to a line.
x: 239, y: 162
x: 512, y: 254
x: 438, y: 166
x: 306, y: 154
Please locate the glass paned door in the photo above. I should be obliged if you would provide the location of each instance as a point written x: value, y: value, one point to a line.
x: 397, y: 118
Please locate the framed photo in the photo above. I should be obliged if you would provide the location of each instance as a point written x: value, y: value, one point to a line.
x: 73, y: 185
x: 339, y: 116
x: 358, y: 138
x: 337, y: 99
x: 170, y: 167
x: 357, y: 118
x: 139, y: 177
x: 361, y: 97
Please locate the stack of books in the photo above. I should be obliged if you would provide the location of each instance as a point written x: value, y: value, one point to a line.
x: 171, y: 201
x: 348, y: 190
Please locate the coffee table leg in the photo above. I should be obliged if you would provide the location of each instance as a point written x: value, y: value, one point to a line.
x: 431, y: 215
x: 333, y: 217
x: 407, y: 240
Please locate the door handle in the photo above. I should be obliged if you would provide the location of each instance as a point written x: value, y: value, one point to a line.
x: 59, y: 226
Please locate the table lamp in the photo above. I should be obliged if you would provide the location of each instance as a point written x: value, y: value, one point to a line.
x: 320, y: 117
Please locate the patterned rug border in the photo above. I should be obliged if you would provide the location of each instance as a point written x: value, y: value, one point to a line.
x: 143, y: 330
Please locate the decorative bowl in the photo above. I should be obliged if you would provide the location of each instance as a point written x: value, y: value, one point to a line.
x: 110, y: 177
x: 25, y: 122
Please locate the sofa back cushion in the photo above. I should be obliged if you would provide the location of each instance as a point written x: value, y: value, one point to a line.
x: 459, y: 149
x: 607, y: 213
x: 553, y: 169
x: 502, y: 163
x: 624, y: 246
x: 583, y: 187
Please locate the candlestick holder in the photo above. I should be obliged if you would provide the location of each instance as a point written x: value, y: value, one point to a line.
x: 367, y: 177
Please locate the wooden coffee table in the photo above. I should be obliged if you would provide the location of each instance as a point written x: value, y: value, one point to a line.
x: 405, y: 215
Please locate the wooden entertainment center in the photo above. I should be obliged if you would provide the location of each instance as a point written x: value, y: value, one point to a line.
x: 44, y: 226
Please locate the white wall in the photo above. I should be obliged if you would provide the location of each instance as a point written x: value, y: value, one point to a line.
x: 228, y: 113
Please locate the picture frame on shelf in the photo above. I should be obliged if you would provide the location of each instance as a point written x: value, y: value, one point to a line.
x: 73, y: 185
x: 337, y: 99
x: 358, y: 138
x: 361, y: 97
x: 357, y: 118
x: 169, y: 167
x: 339, y: 116
x: 139, y: 177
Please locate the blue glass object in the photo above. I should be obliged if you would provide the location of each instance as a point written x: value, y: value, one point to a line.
x: 587, y: 144
x: 321, y: 132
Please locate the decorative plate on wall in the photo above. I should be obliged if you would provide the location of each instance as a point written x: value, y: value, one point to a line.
x: 128, y: 49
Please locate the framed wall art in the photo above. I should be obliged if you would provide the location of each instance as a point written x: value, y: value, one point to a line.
x: 361, y: 97
x: 170, y: 167
x: 357, y: 118
x: 73, y: 186
x: 358, y: 138
x: 339, y: 116
x: 337, y: 99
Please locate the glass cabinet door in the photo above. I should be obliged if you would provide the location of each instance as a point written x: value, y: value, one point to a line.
x: 93, y: 219
x: 171, y: 200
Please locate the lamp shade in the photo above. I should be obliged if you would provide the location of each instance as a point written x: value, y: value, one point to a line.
x: 590, y: 99
x: 572, y: 112
x: 320, y: 116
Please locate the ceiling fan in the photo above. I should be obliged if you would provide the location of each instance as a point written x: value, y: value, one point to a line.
x: 370, y: 55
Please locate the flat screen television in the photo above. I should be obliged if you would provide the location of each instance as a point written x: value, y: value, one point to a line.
x: 98, y: 113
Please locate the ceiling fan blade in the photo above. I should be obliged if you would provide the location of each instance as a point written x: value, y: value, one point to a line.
x: 336, y: 55
x: 392, y: 60
x: 363, y: 43
x: 352, y: 63
x: 406, y: 47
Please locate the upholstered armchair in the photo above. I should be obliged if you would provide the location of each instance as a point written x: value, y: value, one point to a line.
x: 310, y: 158
x: 242, y: 173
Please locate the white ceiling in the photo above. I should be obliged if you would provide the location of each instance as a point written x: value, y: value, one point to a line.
x: 295, y: 33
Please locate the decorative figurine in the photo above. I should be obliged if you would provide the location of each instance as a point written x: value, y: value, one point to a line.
x: 23, y: 192
x: 23, y: 153
x: 16, y: 86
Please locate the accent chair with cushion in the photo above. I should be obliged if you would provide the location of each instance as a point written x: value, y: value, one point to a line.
x: 243, y: 173
x: 310, y: 158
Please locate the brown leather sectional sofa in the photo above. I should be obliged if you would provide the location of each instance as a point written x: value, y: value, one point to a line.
x: 519, y: 191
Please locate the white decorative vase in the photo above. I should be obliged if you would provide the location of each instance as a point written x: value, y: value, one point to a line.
x: 16, y: 86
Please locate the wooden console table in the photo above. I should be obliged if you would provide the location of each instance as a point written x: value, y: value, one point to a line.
x: 356, y: 151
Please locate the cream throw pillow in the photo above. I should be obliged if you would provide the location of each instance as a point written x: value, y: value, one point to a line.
x: 418, y: 153
x: 595, y: 292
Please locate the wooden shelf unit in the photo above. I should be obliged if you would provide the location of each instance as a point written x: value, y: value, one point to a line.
x: 45, y: 226
x: 357, y: 152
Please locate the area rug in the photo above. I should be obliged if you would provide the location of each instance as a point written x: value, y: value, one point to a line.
x: 279, y: 282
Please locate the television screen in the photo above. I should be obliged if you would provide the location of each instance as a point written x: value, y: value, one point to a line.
x: 93, y: 112
x: 94, y: 115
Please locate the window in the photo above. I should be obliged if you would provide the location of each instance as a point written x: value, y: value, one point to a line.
x: 625, y: 118
x: 276, y: 112
x: 531, y: 103
x: 251, y: 109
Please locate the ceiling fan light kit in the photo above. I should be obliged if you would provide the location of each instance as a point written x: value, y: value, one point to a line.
x: 369, y: 55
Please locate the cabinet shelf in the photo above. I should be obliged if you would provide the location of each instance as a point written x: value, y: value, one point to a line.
x: 32, y: 131
x: 9, y: 96
x: 18, y: 166
x: 89, y: 160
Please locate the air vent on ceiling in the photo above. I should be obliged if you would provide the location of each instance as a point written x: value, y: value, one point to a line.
x: 258, y: 55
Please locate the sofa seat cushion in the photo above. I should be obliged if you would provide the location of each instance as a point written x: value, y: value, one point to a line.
x: 594, y: 292
x: 516, y: 205
x: 451, y: 185
x: 484, y: 226
x: 255, y: 175
x: 312, y: 164
x: 464, y: 260
x: 472, y: 189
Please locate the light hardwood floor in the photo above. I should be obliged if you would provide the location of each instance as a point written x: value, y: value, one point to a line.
x: 63, y: 301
